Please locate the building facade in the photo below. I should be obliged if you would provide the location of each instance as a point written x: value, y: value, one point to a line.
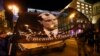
x: 85, y: 8
x: 96, y: 12
x: 92, y: 11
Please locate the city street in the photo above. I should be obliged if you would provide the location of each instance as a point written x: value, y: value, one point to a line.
x: 50, y: 28
x: 70, y: 50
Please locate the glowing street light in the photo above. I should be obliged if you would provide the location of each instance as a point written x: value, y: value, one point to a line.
x: 15, y: 10
x: 72, y: 15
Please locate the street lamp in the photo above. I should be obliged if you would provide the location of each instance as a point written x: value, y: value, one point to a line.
x: 15, y: 10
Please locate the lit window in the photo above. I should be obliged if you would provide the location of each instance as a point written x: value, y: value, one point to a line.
x: 78, y: 5
x: 82, y: 4
x: 78, y: 9
x: 86, y: 5
x: 86, y: 12
x: 82, y: 11
x: 86, y: 8
x: 90, y: 6
x: 82, y: 7
x: 78, y: 2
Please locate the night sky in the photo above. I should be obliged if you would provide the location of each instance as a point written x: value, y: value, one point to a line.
x: 92, y: 1
x: 51, y: 5
x: 42, y: 4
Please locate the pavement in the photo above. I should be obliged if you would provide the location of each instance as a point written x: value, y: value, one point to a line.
x: 71, y: 49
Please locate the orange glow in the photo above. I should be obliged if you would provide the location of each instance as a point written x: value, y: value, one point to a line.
x: 72, y: 15
x: 13, y: 8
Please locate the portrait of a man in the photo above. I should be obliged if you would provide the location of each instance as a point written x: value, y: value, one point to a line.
x: 49, y: 23
x: 39, y: 25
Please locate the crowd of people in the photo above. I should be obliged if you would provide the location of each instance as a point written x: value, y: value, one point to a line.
x: 50, y: 29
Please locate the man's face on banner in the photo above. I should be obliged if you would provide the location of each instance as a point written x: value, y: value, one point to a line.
x: 49, y: 21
